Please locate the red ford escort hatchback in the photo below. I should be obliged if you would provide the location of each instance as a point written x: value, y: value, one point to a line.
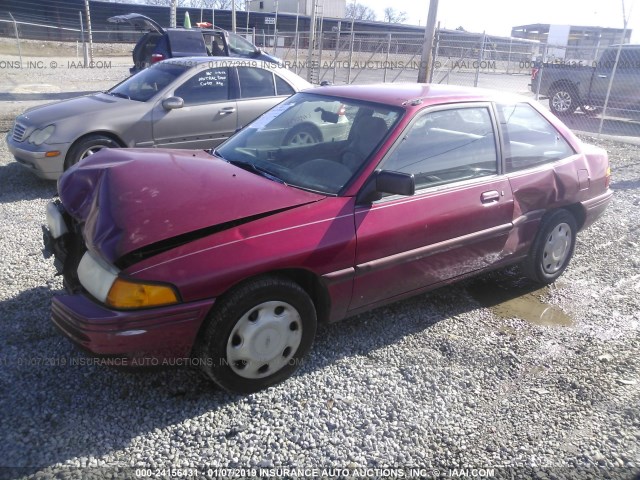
x: 232, y: 257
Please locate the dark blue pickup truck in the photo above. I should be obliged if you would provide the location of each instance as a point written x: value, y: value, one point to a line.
x: 584, y: 85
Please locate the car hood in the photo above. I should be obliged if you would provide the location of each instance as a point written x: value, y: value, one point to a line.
x: 133, y: 198
x: 44, y: 115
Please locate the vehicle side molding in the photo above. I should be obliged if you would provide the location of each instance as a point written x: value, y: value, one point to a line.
x: 171, y: 103
x: 385, y: 181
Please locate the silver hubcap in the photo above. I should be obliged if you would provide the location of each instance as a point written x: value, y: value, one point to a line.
x: 556, y: 248
x: 264, y: 340
x: 302, y: 138
x: 561, y: 101
x: 91, y: 150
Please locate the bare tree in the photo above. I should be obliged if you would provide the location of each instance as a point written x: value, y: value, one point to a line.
x: 391, y: 15
x: 359, y: 11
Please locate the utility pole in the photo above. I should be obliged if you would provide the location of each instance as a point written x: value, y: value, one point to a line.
x: 426, y: 60
x: 172, y: 13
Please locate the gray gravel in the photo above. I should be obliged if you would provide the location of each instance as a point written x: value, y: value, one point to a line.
x: 437, y: 381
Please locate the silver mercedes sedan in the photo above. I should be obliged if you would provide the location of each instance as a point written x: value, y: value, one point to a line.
x: 195, y: 102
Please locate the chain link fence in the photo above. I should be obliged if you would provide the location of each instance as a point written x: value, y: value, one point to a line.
x: 579, y: 84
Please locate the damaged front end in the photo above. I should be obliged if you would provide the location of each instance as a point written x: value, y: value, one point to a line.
x: 62, y: 238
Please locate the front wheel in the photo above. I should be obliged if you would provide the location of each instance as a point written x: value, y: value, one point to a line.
x: 257, y: 335
x: 87, y: 146
x: 563, y: 100
x: 552, y: 247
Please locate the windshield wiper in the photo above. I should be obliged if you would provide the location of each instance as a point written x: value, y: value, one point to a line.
x: 252, y: 167
x: 121, y: 95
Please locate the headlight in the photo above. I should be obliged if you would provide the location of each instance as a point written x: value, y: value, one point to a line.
x: 38, y: 137
x: 102, y: 281
x: 132, y: 294
x: 55, y: 222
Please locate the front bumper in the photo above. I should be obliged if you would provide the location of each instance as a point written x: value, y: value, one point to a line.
x: 137, y: 337
x: 33, y: 158
x: 595, y: 207
x: 141, y: 337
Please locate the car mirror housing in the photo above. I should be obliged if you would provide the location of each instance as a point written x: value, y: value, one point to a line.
x: 385, y: 181
x: 172, y: 103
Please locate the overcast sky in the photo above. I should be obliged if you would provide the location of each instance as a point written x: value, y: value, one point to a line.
x: 498, y: 16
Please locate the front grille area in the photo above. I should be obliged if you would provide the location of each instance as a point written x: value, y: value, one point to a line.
x: 18, y: 132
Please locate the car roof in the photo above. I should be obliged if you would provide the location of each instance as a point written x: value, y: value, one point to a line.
x: 416, y: 94
x: 204, y: 62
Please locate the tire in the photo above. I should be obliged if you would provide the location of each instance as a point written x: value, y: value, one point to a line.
x: 301, y: 135
x: 257, y: 335
x: 563, y: 100
x: 552, y: 247
x: 88, y: 146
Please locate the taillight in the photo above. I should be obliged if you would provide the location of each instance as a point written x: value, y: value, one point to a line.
x: 607, y: 178
x: 534, y: 73
x: 156, y: 57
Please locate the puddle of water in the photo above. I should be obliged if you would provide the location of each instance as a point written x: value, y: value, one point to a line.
x: 525, y: 302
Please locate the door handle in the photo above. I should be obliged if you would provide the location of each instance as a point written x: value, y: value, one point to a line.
x: 227, y: 111
x: 490, y: 197
x: 603, y: 76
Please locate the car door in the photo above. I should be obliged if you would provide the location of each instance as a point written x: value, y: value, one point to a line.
x: 260, y: 89
x: 624, y: 90
x: 208, y: 117
x: 457, y: 222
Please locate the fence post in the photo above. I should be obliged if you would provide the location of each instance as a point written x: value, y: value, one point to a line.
x: 88, y: 13
x: 386, y: 61
x: 436, y: 49
x: 509, y: 57
x: 84, y: 45
x: 15, y: 29
x: 480, y: 57
x: 353, y: 39
x: 335, y: 57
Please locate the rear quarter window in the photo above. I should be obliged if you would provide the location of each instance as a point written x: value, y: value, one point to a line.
x: 529, y: 139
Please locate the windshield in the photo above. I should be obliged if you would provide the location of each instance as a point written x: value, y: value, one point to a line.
x: 145, y: 84
x: 240, y: 46
x: 313, y: 142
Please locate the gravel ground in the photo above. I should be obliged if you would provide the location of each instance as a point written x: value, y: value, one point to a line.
x: 438, y: 381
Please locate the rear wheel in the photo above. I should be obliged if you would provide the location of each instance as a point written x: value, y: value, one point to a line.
x: 563, y: 100
x: 87, y: 146
x: 257, y: 335
x: 552, y: 248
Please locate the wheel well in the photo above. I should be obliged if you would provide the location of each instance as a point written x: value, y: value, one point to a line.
x: 578, y: 213
x: 314, y: 288
x: 111, y: 135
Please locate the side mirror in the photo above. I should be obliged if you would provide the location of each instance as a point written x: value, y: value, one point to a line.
x: 385, y: 181
x: 395, y: 183
x: 172, y: 103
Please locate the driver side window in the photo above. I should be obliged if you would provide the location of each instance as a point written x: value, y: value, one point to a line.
x: 447, y: 146
x: 207, y: 86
